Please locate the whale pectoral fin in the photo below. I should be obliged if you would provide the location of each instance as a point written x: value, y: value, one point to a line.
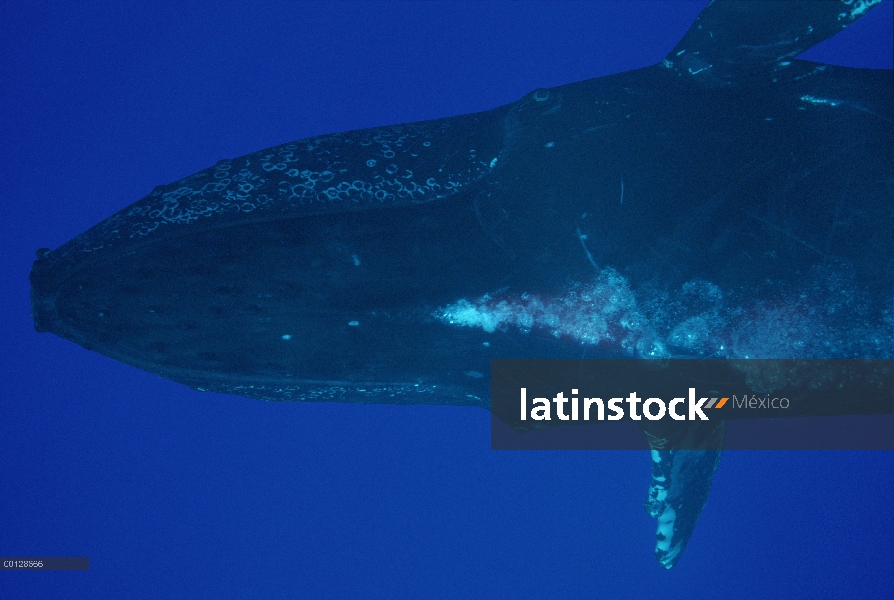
x: 683, y: 466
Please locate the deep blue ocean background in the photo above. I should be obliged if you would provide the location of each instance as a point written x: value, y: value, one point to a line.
x: 177, y: 494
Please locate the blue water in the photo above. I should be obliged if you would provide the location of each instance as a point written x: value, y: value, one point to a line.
x: 177, y: 494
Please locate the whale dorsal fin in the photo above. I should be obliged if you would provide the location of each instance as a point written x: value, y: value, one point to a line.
x: 733, y: 40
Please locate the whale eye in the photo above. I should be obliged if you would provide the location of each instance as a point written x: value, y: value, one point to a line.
x: 540, y: 95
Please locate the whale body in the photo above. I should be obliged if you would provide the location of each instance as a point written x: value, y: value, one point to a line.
x: 730, y: 202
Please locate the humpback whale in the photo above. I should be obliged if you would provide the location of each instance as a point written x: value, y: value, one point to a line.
x: 729, y: 202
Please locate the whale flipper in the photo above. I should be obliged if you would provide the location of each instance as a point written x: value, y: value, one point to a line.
x: 683, y: 465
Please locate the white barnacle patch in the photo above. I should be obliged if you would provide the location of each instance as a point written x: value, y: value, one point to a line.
x: 858, y: 7
x: 604, y: 310
x: 466, y: 314
x: 665, y: 534
x: 696, y: 319
x: 818, y: 100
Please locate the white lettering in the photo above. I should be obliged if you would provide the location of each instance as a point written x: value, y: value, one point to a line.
x: 673, y: 409
x: 560, y: 401
x: 600, y: 408
x: 633, y: 400
x: 661, y: 409
x: 613, y: 405
x: 524, y: 404
x: 695, y: 408
x: 540, y: 412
